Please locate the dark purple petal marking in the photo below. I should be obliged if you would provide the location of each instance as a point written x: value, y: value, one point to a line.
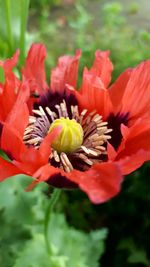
x: 60, y: 181
x: 114, y: 122
x: 1, y: 128
x: 51, y: 99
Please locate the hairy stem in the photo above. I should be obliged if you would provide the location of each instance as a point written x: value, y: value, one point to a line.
x: 50, y: 208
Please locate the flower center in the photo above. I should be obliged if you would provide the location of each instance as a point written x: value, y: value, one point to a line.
x: 82, y: 141
x: 71, y: 136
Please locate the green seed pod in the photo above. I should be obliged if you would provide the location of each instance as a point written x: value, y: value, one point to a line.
x: 71, y: 136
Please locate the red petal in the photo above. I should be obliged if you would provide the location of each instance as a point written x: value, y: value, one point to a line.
x: 19, y: 115
x: 7, y: 169
x: 10, y: 63
x: 117, y: 89
x: 136, y: 96
x: 8, y: 92
x: 101, y: 182
x: 66, y: 72
x: 31, y: 159
x: 93, y: 96
x: 11, y: 142
x: 133, y: 162
x: 45, y: 147
x: 135, y: 147
x: 34, y: 68
x: 44, y: 173
x: 7, y: 100
x: 136, y: 138
x: 111, y: 152
x: 102, y: 67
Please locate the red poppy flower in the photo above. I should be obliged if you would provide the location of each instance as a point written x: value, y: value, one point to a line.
x: 87, y: 138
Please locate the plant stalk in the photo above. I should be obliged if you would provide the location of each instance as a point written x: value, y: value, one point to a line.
x: 54, y: 198
x: 8, y: 23
x: 23, y: 24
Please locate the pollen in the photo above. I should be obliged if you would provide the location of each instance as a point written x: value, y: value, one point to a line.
x: 71, y: 136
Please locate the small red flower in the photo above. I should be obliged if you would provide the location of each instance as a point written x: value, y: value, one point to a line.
x: 68, y: 138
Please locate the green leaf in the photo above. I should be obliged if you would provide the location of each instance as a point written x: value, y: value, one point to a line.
x: 34, y: 254
x: 136, y: 255
x: 69, y: 247
x: 18, y: 204
x: 22, y: 218
x: 139, y: 256
x: 19, y: 213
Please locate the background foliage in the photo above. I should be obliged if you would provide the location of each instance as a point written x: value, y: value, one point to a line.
x: 113, y: 234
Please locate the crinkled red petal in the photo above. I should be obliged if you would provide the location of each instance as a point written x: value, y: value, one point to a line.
x: 66, y: 72
x: 101, y: 182
x: 135, y: 95
x: 11, y: 142
x: 7, y: 100
x: 34, y: 70
x: 18, y: 118
x: 134, y: 149
x: 102, y: 67
x: 93, y: 95
x: 10, y: 63
x: 43, y: 174
x: 10, y: 88
x: 134, y: 161
x: 31, y: 159
x: 7, y: 169
x: 117, y: 89
x: 135, y: 138
x: 45, y: 147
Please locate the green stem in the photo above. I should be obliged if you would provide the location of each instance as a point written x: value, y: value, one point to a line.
x: 8, y: 23
x: 53, y: 200
x: 23, y: 24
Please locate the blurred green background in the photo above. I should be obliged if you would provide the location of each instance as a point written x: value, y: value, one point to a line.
x: 114, y: 234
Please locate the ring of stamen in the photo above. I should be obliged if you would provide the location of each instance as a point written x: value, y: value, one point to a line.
x: 95, y: 136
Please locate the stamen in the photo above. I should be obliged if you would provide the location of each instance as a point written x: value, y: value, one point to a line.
x: 56, y: 156
x: 97, y: 143
x: 85, y: 159
x: 109, y: 131
x: 102, y: 148
x: 75, y: 113
x: 59, y: 110
x: 50, y: 113
x: 83, y: 113
x: 102, y: 123
x: 85, y: 149
x: 65, y: 106
x: 66, y: 162
x: 42, y: 111
x: 63, y: 109
x: 33, y: 141
x: 38, y: 112
x: 32, y: 119
x: 94, y: 152
x: 97, y: 118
